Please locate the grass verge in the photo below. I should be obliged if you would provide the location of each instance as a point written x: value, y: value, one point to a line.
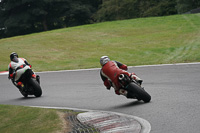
x: 156, y: 40
x: 20, y: 119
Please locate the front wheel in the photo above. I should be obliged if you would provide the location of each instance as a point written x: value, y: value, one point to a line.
x: 24, y: 94
x: 139, y: 92
x: 37, y: 91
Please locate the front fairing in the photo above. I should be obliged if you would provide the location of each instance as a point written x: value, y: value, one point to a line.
x: 20, y: 72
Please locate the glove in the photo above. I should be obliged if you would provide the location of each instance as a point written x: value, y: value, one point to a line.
x: 124, y: 67
x: 11, y: 76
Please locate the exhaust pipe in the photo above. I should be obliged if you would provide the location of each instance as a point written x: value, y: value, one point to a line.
x: 121, y: 76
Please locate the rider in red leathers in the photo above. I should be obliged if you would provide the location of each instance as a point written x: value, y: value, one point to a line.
x: 110, y: 72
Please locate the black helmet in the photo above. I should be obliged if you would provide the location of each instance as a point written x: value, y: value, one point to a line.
x: 13, y: 55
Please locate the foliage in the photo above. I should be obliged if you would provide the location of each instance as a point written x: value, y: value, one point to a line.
x: 19, y: 17
x: 187, y: 5
x: 162, y: 8
x: 117, y: 9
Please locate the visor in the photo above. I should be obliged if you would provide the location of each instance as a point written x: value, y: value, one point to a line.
x: 15, y: 59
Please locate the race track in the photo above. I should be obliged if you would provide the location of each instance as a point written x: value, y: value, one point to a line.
x: 175, y: 91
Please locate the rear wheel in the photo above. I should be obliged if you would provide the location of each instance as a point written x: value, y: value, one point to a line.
x: 139, y: 92
x: 36, y: 87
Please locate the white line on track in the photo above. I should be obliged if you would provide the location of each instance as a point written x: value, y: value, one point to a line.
x: 91, y: 69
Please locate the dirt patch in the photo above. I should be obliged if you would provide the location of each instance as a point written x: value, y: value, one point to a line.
x: 66, y: 126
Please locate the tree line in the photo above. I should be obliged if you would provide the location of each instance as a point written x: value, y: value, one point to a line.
x: 20, y: 17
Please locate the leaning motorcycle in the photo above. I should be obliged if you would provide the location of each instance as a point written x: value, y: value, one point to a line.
x: 133, y: 89
x: 30, y: 85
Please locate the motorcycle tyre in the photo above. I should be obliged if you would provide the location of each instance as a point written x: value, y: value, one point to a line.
x: 24, y: 94
x: 36, y: 87
x: 139, y: 92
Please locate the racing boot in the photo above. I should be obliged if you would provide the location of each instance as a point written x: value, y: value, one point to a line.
x: 123, y: 92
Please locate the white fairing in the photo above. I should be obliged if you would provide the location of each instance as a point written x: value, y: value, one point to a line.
x: 19, y: 72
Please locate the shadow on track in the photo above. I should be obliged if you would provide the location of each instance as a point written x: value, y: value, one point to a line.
x: 127, y: 105
x: 21, y: 101
x: 24, y: 98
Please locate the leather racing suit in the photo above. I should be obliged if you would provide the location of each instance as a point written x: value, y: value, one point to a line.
x: 110, y: 73
x: 16, y: 69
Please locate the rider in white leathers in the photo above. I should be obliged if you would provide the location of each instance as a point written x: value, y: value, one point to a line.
x: 17, y: 67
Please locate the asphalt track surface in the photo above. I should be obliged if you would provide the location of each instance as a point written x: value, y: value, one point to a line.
x: 175, y: 91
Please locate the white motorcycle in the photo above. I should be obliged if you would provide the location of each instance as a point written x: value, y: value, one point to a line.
x: 30, y: 85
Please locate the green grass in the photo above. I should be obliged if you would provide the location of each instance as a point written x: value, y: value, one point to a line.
x: 19, y: 119
x: 156, y: 40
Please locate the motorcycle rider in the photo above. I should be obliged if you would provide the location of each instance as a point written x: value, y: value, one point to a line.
x: 109, y: 74
x: 16, y: 68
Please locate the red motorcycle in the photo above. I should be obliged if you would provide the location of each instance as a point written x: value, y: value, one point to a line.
x: 133, y: 88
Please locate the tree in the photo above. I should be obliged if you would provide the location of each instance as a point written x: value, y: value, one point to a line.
x: 184, y: 6
x: 79, y: 13
x: 116, y: 10
x: 3, y: 18
x: 126, y: 9
x: 19, y: 17
x: 159, y: 8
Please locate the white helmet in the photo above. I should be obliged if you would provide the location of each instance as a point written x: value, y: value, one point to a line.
x: 104, y: 60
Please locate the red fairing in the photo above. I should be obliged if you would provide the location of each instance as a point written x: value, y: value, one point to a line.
x: 112, y: 71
